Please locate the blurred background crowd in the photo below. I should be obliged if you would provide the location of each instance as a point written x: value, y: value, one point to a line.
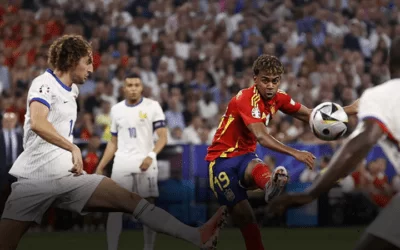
x: 193, y: 56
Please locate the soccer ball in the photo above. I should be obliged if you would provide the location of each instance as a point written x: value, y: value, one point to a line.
x: 328, y: 121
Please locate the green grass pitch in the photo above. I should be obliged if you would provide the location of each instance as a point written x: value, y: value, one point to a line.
x: 274, y: 239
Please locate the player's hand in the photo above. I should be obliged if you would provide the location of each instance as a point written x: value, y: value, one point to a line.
x: 305, y: 157
x: 281, y: 203
x: 77, y: 169
x: 146, y: 163
x: 100, y: 171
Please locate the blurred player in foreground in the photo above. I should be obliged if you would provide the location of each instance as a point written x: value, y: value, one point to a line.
x: 46, y: 175
x: 134, y: 121
x: 378, y: 123
x: 233, y: 165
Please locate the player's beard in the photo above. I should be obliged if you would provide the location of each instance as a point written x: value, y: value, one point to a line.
x: 77, y: 80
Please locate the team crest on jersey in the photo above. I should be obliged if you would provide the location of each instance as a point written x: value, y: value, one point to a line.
x: 142, y: 115
x: 230, y: 196
x: 44, y: 89
x: 255, y: 112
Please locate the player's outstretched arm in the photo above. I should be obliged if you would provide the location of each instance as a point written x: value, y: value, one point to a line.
x: 43, y: 128
x: 349, y: 156
x: 352, y: 109
x: 111, y: 148
x: 302, y: 114
x: 268, y: 141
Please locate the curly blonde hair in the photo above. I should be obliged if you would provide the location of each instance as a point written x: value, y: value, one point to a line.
x: 65, y: 52
x: 268, y: 63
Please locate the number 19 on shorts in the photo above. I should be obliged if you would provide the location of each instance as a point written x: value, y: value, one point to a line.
x: 222, y: 181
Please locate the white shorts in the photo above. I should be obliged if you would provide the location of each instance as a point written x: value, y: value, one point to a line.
x: 145, y: 184
x: 386, y: 224
x: 30, y: 198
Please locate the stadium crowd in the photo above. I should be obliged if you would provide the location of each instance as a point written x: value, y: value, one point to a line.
x: 193, y: 56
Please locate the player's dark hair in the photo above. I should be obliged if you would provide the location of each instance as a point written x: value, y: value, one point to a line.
x: 133, y: 75
x: 269, y: 64
x: 65, y: 52
x: 394, y: 56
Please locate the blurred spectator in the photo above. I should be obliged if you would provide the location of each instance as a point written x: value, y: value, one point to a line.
x: 191, y: 133
x: 91, y: 155
x: 173, y: 115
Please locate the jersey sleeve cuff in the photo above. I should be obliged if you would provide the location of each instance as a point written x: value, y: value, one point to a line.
x: 41, y: 100
x: 381, y: 124
x: 114, y: 133
x: 159, y: 124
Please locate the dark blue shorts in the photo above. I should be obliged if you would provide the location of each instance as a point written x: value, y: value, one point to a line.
x: 224, y: 177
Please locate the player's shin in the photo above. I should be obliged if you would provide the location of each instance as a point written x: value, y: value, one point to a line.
x: 160, y: 221
x: 114, y: 228
x: 261, y: 175
x: 252, y: 237
x: 149, y: 238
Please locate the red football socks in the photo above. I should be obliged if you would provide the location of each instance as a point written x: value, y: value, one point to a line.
x: 252, y: 236
x: 261, y: 175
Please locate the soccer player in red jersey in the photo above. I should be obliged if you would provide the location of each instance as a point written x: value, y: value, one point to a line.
x: 234, y: 167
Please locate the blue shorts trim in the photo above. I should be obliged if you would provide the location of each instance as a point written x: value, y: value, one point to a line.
x: 225, y: 175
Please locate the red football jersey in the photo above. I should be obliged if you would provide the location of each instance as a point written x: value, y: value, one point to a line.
x: 232, y: 137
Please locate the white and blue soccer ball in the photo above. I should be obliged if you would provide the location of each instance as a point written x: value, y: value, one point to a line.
x: 329, y: 121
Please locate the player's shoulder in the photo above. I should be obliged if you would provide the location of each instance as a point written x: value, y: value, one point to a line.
x: 381, y: 93
x: 148, y: 101
x: 43, y: 79
x: 150, y: 104
x: 247, y: 94
x: 118, y: 106
x: 281, y: 93
x: 43, y: 83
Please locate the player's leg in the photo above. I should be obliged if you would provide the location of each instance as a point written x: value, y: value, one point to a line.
x: 224, y: 180
x: 258, y: 175
x: 26, y: 204
x: 383, y: 233
x: 11, y: 232
x: 114, y: 220
x: 244, y: 218
x: 147, y: 187
x: 102, y: 194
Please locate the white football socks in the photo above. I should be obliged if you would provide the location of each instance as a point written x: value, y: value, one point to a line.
x: 149, y: 238
x: 114, y: 228
x: 162, y: 222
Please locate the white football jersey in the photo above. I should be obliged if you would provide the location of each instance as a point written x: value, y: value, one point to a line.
x: 41, y: 159
x: 381, y: 103
x: 135, y: 125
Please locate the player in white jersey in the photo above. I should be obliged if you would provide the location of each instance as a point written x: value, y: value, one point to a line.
x: 134, y: 122
x: 47, y: 177
x: 379, y: 122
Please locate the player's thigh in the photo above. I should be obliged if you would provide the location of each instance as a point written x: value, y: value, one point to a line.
x: 146, y: 184
x: 29, y: 200
x: 124, y: 179
x: 110, y: 197
x: 74, y: 191
x: 242, y: 213
x: 224, y: 182
x: 386, y: 224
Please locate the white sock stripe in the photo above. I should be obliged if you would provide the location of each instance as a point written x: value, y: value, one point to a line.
x: 142, y: 210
